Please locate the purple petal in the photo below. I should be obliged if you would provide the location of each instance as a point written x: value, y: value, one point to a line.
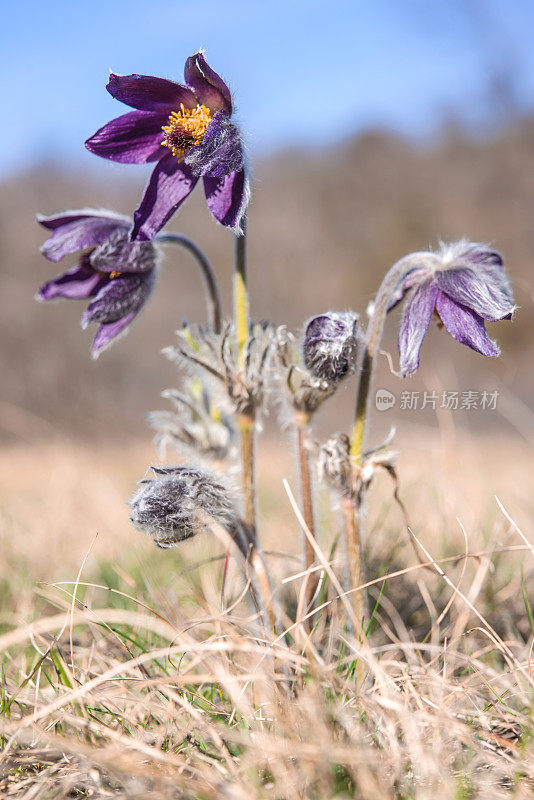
x: 169, y: 185
x: 407, y: 282
x: 414, y: 325
x: 77, y: 283
x: 119, y: 297
x: 480, y: 257
x: 110, y: 331
x: 134, y: 138
x: 71, y: 231
x: 64, y: 217
x: 220, y: 152
x: 465, y: 325
x: 488, y: 299
x: 147, y: 93
x: 228, y: 198
x: 209, y: 87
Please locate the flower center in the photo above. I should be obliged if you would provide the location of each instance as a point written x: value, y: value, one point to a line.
x: 185, y: 129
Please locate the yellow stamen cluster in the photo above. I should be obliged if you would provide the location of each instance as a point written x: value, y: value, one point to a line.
x: 114, y: 274
x: 186, y: 128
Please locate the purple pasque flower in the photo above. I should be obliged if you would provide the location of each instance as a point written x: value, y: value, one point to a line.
x: 464, y: 284
x: 187, y: 130
x: 116, y: 273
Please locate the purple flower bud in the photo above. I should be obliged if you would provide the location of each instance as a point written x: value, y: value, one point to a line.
x: 464, y: 284
x: 330, y: 345
x: 180, y: 502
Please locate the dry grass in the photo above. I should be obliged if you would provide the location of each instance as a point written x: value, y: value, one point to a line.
x: 122, y: 677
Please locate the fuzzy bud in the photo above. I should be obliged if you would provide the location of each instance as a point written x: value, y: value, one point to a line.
x: 330, y: 345
x: 179, y: 502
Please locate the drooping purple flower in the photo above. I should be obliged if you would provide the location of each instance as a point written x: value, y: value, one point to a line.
x: 329, y: 345
x: 464, y: 284
x: 187, y: 130
x: 118, y: 275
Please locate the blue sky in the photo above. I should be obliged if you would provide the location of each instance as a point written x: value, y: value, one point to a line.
x: 302, y: 71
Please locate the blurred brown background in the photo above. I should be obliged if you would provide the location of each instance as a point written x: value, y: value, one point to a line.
x: 324, y: 228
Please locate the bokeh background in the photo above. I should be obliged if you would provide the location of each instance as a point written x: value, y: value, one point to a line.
x: 373, y: 129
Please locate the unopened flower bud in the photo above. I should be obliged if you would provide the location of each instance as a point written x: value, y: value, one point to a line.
x: 179, y: 502
x: 330, y: 345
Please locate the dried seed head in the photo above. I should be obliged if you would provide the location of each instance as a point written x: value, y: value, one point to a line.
x: 329, y: 345
x: 198, y: 422
x: 213, y: 355
x: 179, y: 502
x: 335, y: 466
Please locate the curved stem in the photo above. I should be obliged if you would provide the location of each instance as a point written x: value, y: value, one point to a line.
x: 373, y: 338
x: 353, y: 506
x: 240, y: 292
x: 212, y: 287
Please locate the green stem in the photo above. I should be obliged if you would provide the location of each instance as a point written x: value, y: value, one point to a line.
x: 246, y: 422
x: 212, y: 288
x: 353, y: 505
x: 241, y: 293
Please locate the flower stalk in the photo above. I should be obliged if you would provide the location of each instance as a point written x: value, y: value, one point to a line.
x: 373, y: 339
x: 246, y: 421
x: 352, y: 517
x: 353, y: 506
x: 241, y: 304
x: 213, y: 300
x: 247, y: 425
x: 301, y: 427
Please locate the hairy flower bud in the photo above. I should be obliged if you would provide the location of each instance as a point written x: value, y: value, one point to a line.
x: 179, y: 502
x: 330, y: 345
